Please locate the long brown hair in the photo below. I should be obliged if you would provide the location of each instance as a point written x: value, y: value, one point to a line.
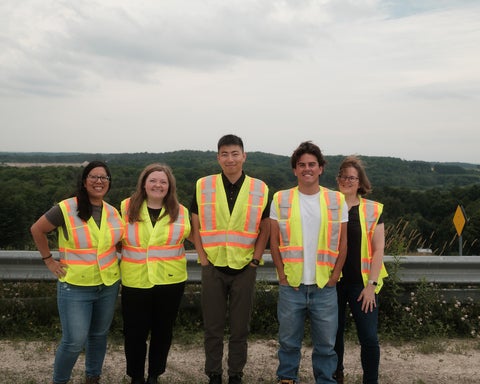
x: 364, y: 185
x: 170, y: 202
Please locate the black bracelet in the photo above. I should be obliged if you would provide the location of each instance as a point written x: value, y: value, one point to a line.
x: 47, y: 257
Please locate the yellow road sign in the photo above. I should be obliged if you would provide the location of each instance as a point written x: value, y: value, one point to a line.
x: 459, y: 220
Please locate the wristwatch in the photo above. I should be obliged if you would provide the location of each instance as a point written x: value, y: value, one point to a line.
x: 255, y: 262
x: 371, y: 282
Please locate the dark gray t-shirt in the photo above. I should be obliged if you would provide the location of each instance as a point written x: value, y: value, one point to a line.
x: 55, y: 216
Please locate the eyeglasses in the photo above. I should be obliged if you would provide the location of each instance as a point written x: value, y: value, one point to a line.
x: 95, y: 178
x: 350, y: 179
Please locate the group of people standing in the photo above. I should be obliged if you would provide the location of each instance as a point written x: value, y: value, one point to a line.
x: 327, y: 247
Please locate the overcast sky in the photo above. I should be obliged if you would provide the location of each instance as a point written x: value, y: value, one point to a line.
x: 375, y: 78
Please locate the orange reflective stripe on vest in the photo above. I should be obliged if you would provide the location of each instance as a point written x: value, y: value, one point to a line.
x: 369, y: 213
x: 291, y: 234
x: 90, y: 250
x: 207, y: 209
x: 328, y: 254
x: 136, y: 248
x: 212, y: 236
x: 229, y: 237
x: 85, y: 252
x: 154, y: 254
x: 80, y: 231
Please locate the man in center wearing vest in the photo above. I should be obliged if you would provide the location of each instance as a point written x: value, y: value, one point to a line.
x: 230, y: 231
x: 308, y: 244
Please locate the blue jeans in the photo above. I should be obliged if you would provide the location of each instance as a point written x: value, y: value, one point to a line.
x: 366, y: 324
x: 321, y: 306
x: 85, y: 314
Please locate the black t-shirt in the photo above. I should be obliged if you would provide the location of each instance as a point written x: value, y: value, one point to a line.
x: 55, y: 216
x: 351, y: 270
x: 154, y: 213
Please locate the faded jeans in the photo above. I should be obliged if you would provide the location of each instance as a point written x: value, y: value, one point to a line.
x: 320, y: 304
x: 85, y: 314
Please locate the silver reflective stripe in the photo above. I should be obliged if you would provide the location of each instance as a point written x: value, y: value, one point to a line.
x: 114, y: 223
x: 177, y: 232
x: 208, y: 193
x: 139, y: 255
x: 284, y: 207
x: 131, y: 233
x: 222, y: 238
x: 256, y: 200
x: 165, y: 253
x: 334, y: 220
x: 326, y: 258
x: 371, y: 219
x: 89, y: 258
x: 289, y: 256
x: 79, y: 227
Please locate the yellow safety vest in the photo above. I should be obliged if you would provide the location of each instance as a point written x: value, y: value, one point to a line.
x: 287, y: 205
x: 90, y: 251
x: 369, y: 212
x: 229, y: 239
x: 154, y: 255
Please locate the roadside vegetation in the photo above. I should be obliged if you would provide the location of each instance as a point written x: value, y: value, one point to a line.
x: 407, y: 311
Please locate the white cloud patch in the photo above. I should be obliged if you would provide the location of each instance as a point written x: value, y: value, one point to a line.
x: 339, y: 72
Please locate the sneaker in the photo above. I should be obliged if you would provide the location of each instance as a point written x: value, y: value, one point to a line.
x: 287, y: 381
x: 235, y: 379
x: 92, y: 380
x: 338, y: 376
x: 152, y: 380
x: 215, y: 379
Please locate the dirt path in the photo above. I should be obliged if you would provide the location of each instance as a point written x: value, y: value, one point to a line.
x: 459, y: 362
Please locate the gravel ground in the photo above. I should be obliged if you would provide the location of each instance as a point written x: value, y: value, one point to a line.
x: 457, y: 362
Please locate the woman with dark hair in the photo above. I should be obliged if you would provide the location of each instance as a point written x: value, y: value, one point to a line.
x: 363, y: 271
x: 88, y: 272
x: 154, y: 270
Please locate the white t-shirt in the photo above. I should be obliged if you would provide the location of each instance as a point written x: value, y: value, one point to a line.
x: 311, y: 218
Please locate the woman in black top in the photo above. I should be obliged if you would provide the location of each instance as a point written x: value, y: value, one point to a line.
x: 363, y: 271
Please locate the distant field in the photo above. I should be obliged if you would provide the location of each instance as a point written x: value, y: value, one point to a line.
x: 25, y: 165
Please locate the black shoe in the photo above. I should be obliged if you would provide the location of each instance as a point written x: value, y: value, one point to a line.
x: 137, y: 380
x: 215, y: 379
x: 152, y: 380
x: 92, y: 380
x: 338, y: 376
x: 235, y: 379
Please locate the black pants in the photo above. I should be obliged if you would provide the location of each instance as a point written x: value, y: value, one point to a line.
x: 145, y: 312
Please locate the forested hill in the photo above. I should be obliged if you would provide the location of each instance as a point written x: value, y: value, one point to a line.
x: 274, y: 169
x: 420, y: 198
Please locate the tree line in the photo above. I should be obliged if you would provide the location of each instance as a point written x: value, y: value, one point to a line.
x: 420, y: 198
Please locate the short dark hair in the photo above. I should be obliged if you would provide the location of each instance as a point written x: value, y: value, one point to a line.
x: 310, y: 148
x: 229, y: 140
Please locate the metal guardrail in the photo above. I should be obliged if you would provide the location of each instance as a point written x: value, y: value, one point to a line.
x: 27, y: 265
